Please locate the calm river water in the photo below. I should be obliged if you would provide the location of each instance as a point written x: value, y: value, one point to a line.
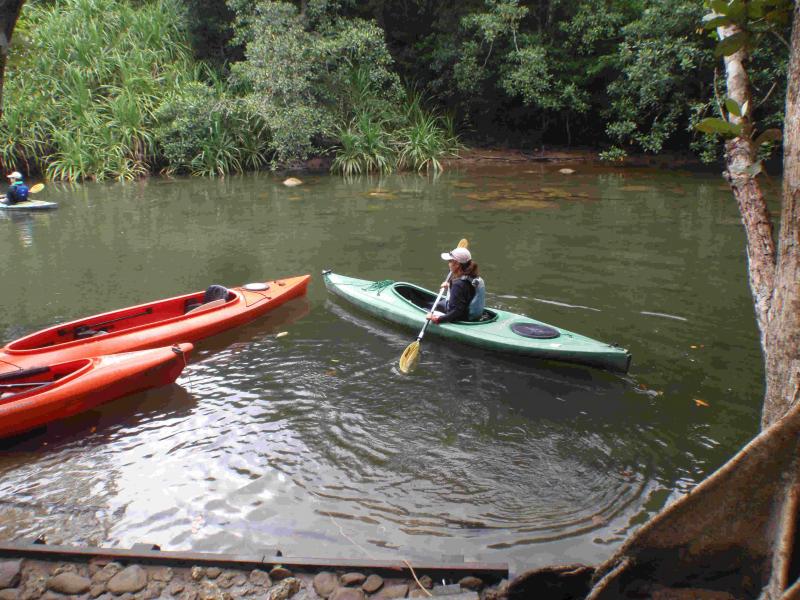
x: 314, y: 443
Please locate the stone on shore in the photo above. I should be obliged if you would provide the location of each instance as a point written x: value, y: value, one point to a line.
x: 230, y: 578
x: 213, y: 572
x: 259, y: 577
x: 471, y: 583
x: 69, y: 583
x: 9, y: 594
x: 279, y: 572
x: 348, y: 594
x: 393, y: 591
x: 10, y: 572
x: 372, y: 584
x: 130, y: 580
x: 106, y: 573
x: 352, y: 579
x: 325, y: 583
x: 284, y: 589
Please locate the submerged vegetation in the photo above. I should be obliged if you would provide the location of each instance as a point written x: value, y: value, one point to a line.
x: 100, y: 89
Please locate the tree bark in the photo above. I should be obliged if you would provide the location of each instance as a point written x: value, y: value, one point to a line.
x: 783, y: 329
x: 9, y: 13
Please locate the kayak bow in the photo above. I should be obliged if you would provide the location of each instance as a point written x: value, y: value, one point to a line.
x: 159, y: 323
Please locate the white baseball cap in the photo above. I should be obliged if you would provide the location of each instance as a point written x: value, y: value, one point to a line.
x: 461, y: 255
x: 14, y: 175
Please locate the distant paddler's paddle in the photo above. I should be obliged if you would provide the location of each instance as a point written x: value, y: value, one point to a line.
x: 410, y: 358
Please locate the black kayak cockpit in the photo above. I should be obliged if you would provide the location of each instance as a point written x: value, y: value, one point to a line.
x: 424, y: 300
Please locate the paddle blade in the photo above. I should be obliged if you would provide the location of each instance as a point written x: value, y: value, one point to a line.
x: 410, y: 358
x: 463, y: 243
x: 36, y: 188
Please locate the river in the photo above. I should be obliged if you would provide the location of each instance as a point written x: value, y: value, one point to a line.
x: 314, y: 442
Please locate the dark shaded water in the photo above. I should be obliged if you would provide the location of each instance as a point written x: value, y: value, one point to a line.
x: 314, y: 443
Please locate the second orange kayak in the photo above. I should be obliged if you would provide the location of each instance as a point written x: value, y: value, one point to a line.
x: 30, y: 398
x: 160, y: 323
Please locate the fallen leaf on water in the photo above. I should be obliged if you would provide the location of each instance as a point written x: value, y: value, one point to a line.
x: 330, y: 372
x: 699, y: 402
x: 281, y: 334
x: 693, y: 347
x: 292, y: 181
x: 598, y: 520
x: 566, y: 171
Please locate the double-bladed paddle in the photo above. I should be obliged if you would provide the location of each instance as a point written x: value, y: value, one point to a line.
x: 410, y: 358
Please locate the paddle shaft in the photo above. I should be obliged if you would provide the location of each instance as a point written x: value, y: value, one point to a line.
x: 16, y: 385
x: 433, y: 308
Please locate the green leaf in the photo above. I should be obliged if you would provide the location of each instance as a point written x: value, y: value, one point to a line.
x: 737, y: 10
x: 712, y: 21
x: 719, y: 6
x: 733, y: 107
x: 716, y: 126
x: 731, y: 44
x: 770, y: 135
x: 756, y: 9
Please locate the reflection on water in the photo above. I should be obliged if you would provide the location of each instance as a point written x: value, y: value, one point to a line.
x: 314, y: 442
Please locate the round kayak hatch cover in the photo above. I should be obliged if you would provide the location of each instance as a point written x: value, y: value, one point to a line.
x: 532, y: 330
x: 256, y: 287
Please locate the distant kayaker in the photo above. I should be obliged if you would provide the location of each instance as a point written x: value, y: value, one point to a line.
x: 17, y: 190
x: 465, y: 290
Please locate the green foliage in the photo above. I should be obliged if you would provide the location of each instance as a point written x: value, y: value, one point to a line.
x: 758, y: 23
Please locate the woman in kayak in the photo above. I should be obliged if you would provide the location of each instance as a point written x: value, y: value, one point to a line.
x: 465, y: 290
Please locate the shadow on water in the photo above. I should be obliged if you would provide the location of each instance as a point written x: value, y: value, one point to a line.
x: 97, y: 426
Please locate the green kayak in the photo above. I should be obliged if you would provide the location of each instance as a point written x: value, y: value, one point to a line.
x: 407, y: 304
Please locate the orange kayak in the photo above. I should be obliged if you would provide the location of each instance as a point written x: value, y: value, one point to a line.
x: 34, y: 397
x: 161, y: 323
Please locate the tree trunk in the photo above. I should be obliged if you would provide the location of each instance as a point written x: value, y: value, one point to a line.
x: 9, y: 13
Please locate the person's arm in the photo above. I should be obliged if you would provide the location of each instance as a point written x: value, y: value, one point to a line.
x: 458, y: 307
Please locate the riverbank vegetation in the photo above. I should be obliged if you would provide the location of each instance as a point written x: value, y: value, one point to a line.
x: 118, y: 89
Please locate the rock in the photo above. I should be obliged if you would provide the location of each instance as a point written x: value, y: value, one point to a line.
x: 107, y: 572
x: 97, y: 590
x: 161, y: 574
x: 348, y: 594
x: 131, y: 579
x: 230, y: 578
x: 10, y: 572
x: 325, y: 583
x: 426, y: 582
x: 176, y: 587
x: 418, y: 593
x: 352, y: 578
x: 213, y: 572
x: 153, y: 590
x: 471, y: 583
x: 278, y: 572
x: 9, y: 594
x: 284, y: 590
x: 372, y: 584
x: 64, y: 568
x: 198, y: 573
x: 259, y: 577
x: 34, y: 586
x: 209, y: 591
x: 69, y: 583
x: 566, y: 171
x: 190, y: 594
x: 394, y: 591
x: 292, y: 181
